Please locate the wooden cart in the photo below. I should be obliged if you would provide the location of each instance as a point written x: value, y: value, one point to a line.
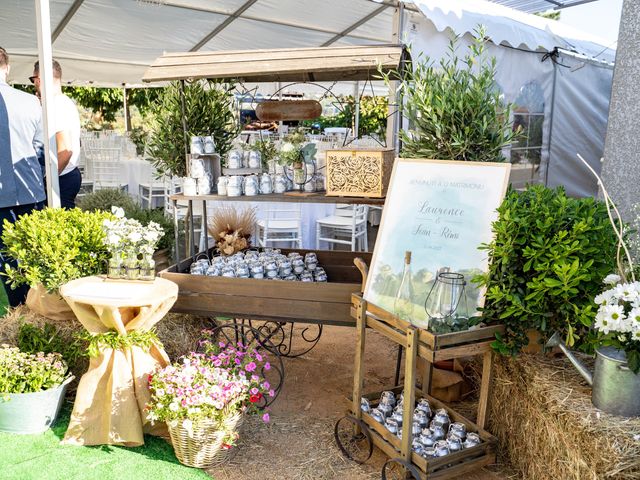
x: 418, y: 343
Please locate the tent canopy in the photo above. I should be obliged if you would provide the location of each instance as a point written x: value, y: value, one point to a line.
x: 113, y: 42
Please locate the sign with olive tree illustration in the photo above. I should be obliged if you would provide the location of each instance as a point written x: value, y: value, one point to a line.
x: 441, y: 211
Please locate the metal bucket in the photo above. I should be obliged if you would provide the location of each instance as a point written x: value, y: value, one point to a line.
x: 32, y: 412
x: 616, y: 389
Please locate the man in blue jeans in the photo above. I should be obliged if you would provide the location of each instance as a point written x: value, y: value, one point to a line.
x: 66, y: 124
x: 21, y: 185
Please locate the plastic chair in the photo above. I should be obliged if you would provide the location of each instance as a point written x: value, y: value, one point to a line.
x: 347, y: 226
x: 281, y: 224
x: 104, y: 163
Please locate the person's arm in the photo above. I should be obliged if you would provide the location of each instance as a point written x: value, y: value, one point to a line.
x: 38, y: 143
x: 63, y: 141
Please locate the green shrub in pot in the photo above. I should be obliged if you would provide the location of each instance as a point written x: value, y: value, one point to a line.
x: 54, y: 246
x: 547, y: 262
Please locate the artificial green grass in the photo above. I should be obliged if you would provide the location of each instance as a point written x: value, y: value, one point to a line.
x: 41, y: 457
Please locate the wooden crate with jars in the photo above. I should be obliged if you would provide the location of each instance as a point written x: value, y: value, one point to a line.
x: 415, y: 450
x: 359, y: 172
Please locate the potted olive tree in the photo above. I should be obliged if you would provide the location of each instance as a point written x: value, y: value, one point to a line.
x: 454, y: 109
x: 209, y: 110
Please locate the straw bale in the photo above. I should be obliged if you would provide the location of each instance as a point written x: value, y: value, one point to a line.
x: 178, y: 333
x: 542, y: 414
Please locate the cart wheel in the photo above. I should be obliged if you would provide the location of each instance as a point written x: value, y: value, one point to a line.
x: 399, y: 469
x: 353, y: 439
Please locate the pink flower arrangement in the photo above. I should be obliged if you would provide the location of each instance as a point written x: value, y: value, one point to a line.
x: 210, y: 385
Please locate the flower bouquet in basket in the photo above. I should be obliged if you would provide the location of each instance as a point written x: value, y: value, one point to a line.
x: 203, y: 398
x: 232, y: 229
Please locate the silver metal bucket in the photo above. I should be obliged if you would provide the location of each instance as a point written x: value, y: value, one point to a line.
x: 616, y: 389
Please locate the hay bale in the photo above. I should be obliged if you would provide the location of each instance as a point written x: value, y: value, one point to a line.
x: 546, y: 425
x: 178, y: 333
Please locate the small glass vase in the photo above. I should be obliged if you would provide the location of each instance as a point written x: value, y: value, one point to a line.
x: 115, y: 268
x: 147, y: 268
x: 132, y: 266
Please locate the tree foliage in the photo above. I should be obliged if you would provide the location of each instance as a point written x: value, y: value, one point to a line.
x: 454, y: 109
x: 209, y: 110
x: 107, y: 102
x: 373, y: 116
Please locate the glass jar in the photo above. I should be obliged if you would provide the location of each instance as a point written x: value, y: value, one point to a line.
x: 255, y: 159
x: 298, y: 265
x: 266, y: 186
x: 115, y: 268
x: 234, y: 160
x: 147, y: 267
x: 222, y: 185
x: 311, y: 261
x: 132, y: 267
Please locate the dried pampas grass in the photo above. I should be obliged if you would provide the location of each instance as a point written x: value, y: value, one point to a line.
x: 232, y: 229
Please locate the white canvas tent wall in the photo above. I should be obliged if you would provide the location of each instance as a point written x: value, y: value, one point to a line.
x: 576, y: 83
x: 111, y: 43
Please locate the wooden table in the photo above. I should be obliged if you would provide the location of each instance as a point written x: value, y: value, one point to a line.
x: 113, y: 393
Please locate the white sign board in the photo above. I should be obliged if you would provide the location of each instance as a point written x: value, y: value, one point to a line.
x: 441, y: 211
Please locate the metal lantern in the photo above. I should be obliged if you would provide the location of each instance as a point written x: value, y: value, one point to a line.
x: 446, y: 301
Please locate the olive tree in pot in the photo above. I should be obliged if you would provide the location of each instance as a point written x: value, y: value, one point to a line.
x: 454, y: 109
x: 209, y: 110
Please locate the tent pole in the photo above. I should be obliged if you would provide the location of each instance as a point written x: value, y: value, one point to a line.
x: 43, y: 28
x: 393, y: 119
x: 553, y: 106
x: 356, y: 114
x: 125, y: 105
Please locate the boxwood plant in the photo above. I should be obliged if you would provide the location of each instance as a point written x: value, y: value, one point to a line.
x: 548, y: 259
x: 55, y: 246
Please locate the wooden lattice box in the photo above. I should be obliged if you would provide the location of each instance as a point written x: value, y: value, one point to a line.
x: 361, y: 173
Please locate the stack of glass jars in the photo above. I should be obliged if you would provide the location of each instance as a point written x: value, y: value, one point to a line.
x: 269, y: 264
x: 434, y: 434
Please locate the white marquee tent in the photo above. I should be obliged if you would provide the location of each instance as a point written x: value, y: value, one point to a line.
x: 112, y: 42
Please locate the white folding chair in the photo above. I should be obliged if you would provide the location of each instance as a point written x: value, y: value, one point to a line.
x: 104, y: 164
x: 347, y: 226
x: 282, y: 223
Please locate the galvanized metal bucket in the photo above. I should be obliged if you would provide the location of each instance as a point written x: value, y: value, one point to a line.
x: 32, y: 412
x: 616, y: 389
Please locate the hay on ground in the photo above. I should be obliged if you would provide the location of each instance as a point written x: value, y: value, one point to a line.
x: 542, y: 414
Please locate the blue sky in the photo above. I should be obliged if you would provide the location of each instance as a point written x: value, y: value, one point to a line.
x: 601, y: 18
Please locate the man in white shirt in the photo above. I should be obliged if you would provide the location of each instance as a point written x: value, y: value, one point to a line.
x: 66, y: 124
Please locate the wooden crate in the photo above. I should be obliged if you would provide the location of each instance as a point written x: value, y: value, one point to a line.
x: 449, y: 466
x: 326, y: 303
x: 419, y: 343
x: 359, y: 172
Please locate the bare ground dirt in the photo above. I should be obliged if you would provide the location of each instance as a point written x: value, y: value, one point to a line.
x: 298, y: 442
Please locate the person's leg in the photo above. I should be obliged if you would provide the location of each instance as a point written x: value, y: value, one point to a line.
x: 69, y: 188
x: 17, y: 296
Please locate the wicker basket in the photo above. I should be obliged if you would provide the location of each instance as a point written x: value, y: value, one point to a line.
x: 202, y: 446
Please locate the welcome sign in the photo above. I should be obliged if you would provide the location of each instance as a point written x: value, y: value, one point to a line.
x: 442, y: 212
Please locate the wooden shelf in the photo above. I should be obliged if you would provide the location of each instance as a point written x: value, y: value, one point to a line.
x: 279, y: 197
x: 241, y: 171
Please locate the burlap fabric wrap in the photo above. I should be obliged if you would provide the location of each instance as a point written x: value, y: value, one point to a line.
x: 49, y: 305
x: 112, y: 395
